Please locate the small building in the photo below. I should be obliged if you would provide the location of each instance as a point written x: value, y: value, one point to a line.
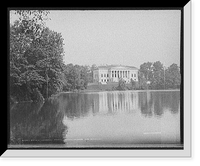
x: 113, y: 73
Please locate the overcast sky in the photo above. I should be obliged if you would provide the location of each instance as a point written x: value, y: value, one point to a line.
x: 126, y: 37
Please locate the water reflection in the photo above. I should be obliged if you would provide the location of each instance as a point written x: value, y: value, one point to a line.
x: 148, y: 103
x: 129, y: 116
x: 122, y: 118
x: 36, y: 123
x: 76, y: 105
x: 118, y: 102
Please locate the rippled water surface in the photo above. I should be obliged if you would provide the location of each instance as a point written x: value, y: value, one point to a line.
x: 118, y: 118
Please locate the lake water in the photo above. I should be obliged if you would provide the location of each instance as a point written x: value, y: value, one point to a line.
x: 99, y: 119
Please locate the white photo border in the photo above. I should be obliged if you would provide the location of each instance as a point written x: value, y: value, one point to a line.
x: 104, y: 153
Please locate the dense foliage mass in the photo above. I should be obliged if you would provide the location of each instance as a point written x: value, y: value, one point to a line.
x: 36, y: 58
x: 76, y: 77
x: 156, y: 76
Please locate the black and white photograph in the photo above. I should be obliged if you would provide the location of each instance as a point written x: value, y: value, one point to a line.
x: 96, y: 79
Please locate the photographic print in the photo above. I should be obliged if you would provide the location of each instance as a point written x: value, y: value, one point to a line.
x: 96, y: 79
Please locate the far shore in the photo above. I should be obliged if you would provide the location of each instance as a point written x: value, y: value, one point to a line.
x: 149, y: 90
x: 95, y: 91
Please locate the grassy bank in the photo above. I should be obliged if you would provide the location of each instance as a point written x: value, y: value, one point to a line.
x: 113, y: 86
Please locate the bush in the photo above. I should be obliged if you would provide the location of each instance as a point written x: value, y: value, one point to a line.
x: 121, y: 85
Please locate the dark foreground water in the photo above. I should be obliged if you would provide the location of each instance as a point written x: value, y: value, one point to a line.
x: 99, y: 119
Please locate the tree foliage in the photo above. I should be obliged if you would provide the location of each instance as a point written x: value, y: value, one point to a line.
x: 76, y: 77
x: 92, y: 68
x: 121, y: 85
x: 159, y: 77
x: 142, y: 80
x: 36, y: 57
x: 147, y: 70
x: 173, y: 77
x: 134, y: 84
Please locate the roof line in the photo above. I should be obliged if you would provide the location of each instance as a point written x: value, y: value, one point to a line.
x: 113, y: 66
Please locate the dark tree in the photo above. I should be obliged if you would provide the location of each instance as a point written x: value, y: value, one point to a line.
x: 36, y: 57
x: 173, y: 76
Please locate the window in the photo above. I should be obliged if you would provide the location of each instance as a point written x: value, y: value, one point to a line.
x: 107, y: 75
x: 131, y: 75
x: 104, y: 75
x: 107, y: 80
x: 101, y: 75
x: 134, y: 75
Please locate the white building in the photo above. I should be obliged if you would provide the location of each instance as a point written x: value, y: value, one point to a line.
x: 113, y: 73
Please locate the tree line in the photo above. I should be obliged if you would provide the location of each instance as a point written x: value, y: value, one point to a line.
x: 37, y: 69
x: 153, y: 75
x: 156, y: 76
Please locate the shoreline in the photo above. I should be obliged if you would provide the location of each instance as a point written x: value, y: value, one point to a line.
x: 150, y: 90
x: 97, y: 91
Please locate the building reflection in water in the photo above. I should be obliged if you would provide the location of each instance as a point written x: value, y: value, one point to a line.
x: 122, y: 117
x: 147, y: 103
x: 117, y: 102
x: 43, y: 122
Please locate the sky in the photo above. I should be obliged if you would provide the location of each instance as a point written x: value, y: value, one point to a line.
x: 118, y: 37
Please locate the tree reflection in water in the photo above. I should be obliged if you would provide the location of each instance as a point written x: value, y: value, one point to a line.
x: 148, y: 103
x: 155, y: 103
x: 122, y: 117
x: 43, y: 122
x: 76, y: 105
x: 36, y: 123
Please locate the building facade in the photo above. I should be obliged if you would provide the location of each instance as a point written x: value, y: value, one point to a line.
x: 113, y: 73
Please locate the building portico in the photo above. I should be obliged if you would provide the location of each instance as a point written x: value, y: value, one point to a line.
x: 105, y: 74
